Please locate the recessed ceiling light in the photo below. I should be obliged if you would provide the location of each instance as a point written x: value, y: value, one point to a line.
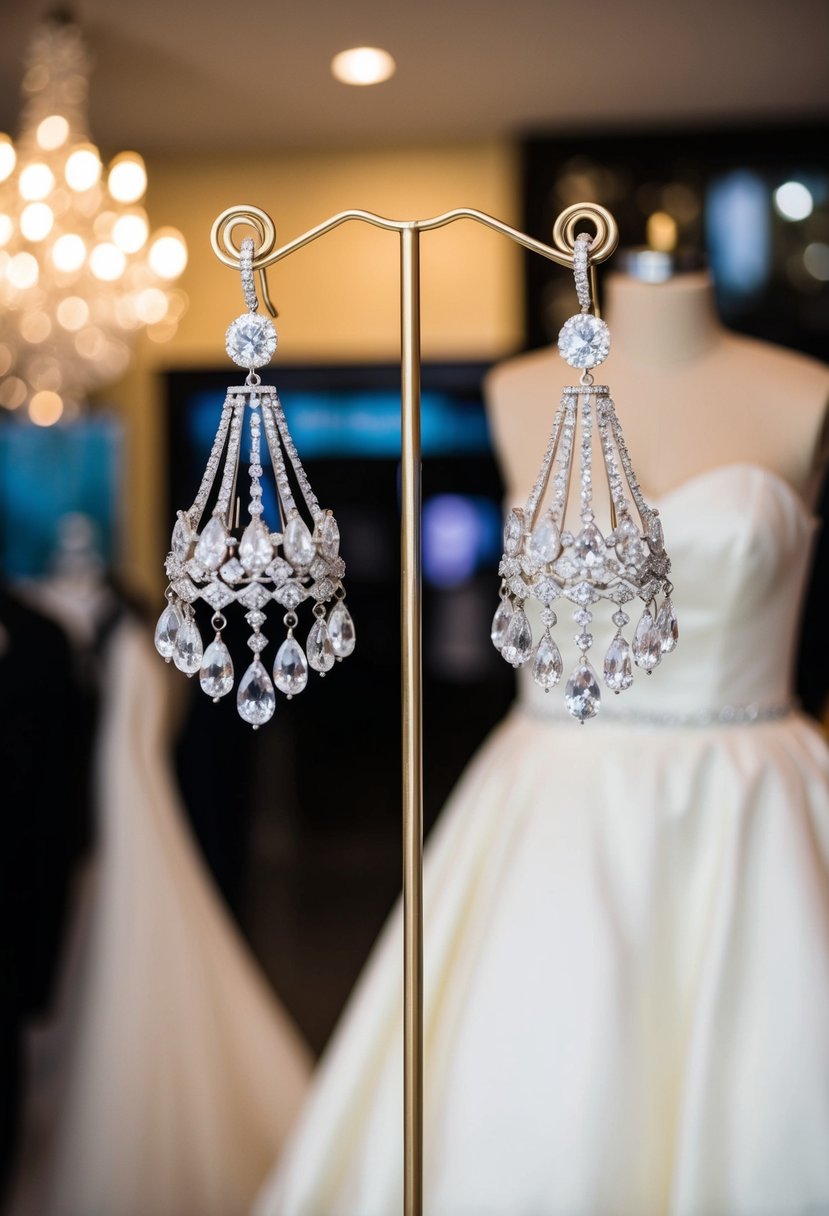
x: 363, y: 65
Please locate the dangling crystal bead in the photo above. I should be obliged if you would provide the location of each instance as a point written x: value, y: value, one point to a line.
x: 255, y: 548
x: 589, y: 545
x: 168, y: 626
x: 513, y: 531
x: 582, y: 693
x: 212, y: 544
x: 667, y: 627
x: 341, y: 631
x: 518, y: 644
x: 500, y: 623
x: 330, y: 537
x: 216, y: 673
x: 647, y: 644
x: 547, y: 665
x: 188, y: 650
x: 618, y: 669
x: 256, y: 699
x: 182, y: 539
x: 290, y: 671
x: 319, y: 649
x: 544, y: 542
x: 656, y: 537
x: 298, y: 544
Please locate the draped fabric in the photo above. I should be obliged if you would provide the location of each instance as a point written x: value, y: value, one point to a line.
x: 627, y: 933
x: 185, y: 1075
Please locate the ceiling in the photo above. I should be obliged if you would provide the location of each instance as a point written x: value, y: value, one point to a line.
x: 207, y: 74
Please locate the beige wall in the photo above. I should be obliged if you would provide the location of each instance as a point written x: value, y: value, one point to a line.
x: 338, y: 298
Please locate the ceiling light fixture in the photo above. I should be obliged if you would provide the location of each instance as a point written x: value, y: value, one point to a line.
x: 78, y: 262
x: 361, y: 65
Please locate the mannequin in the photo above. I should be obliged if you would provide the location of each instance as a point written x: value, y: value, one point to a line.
x: 691, y: 396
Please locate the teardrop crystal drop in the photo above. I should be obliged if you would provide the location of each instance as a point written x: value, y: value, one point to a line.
x: 647, y: 644
x: 341, y: 631
x: 630, y: 545
x: 667, y: 627
x: 290, y: 671
x: 582, y: 693
x: 513, y: 531
x: 182, y: 539
x: 216, y: 672
x: 255, y: 548
x: 618, y: 668
x: 518, y: 644
x: 298, y: 544
x: 547, y: 665
x: 589, y: 545
x: 168, y: 626
x: 656, y: 537
x: 256, y: 699
x: 212, y: 545
x: 319, y: 649
x: 544, y: 543
x: 500, y: 623
x: 188, y: 649
x: 330, y: 537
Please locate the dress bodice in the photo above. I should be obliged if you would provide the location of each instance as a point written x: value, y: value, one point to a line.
x: 740, y: 541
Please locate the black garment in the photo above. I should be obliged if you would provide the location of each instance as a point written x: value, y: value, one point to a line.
x: 41, y: 807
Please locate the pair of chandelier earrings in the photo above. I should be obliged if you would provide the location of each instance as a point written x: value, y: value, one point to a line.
x: 296, y: 557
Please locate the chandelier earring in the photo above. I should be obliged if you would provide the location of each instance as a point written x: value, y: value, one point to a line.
x: 580, y: 551
x: 285, y: 561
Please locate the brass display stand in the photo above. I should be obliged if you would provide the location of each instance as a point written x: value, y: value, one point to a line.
x: 564, y: 231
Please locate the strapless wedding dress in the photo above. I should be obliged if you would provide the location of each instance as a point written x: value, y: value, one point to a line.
x: 627, y: 933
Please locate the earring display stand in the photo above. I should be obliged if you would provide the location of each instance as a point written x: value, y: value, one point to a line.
x: 605, y: 239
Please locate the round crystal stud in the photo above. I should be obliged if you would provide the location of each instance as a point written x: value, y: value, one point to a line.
x: 250, y: 340
x: 584, y: 341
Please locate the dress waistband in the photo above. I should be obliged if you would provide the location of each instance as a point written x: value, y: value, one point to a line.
x: 725, y: 715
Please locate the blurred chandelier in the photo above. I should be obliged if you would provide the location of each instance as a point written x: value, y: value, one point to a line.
x: 80, y: 273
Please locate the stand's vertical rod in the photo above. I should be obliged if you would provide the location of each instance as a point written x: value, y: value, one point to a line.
x: 412, y: 705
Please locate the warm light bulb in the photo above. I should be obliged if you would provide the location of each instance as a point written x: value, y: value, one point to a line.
x: 127, y: 179
x: 8, y: 157
x: 103, y: 225
x: 130, y: 232
x: 168, y: 254
x: 107, y: 262
x: 35, y: 326
x: 363, y: 65
x: 90, y: 343
x: 45, y: 408
x: 6, y: 229
x: 12, y: 392
x: 661, y: 232
x: 83, y: 168
x: 52, y: 132
x: 36, y: 181
x: 22, y: 271
x: 73, y: 313
x: 69, y: 252
x: 794, y: 201
x: 36, y: 221
x: 816, y: 260
x: 151, y: 305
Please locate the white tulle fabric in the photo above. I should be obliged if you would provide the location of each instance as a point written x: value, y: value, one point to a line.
x: 185, y: 1074
x: 627, y: 936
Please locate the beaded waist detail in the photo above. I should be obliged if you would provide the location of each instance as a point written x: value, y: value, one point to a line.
x: 724, y: 715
